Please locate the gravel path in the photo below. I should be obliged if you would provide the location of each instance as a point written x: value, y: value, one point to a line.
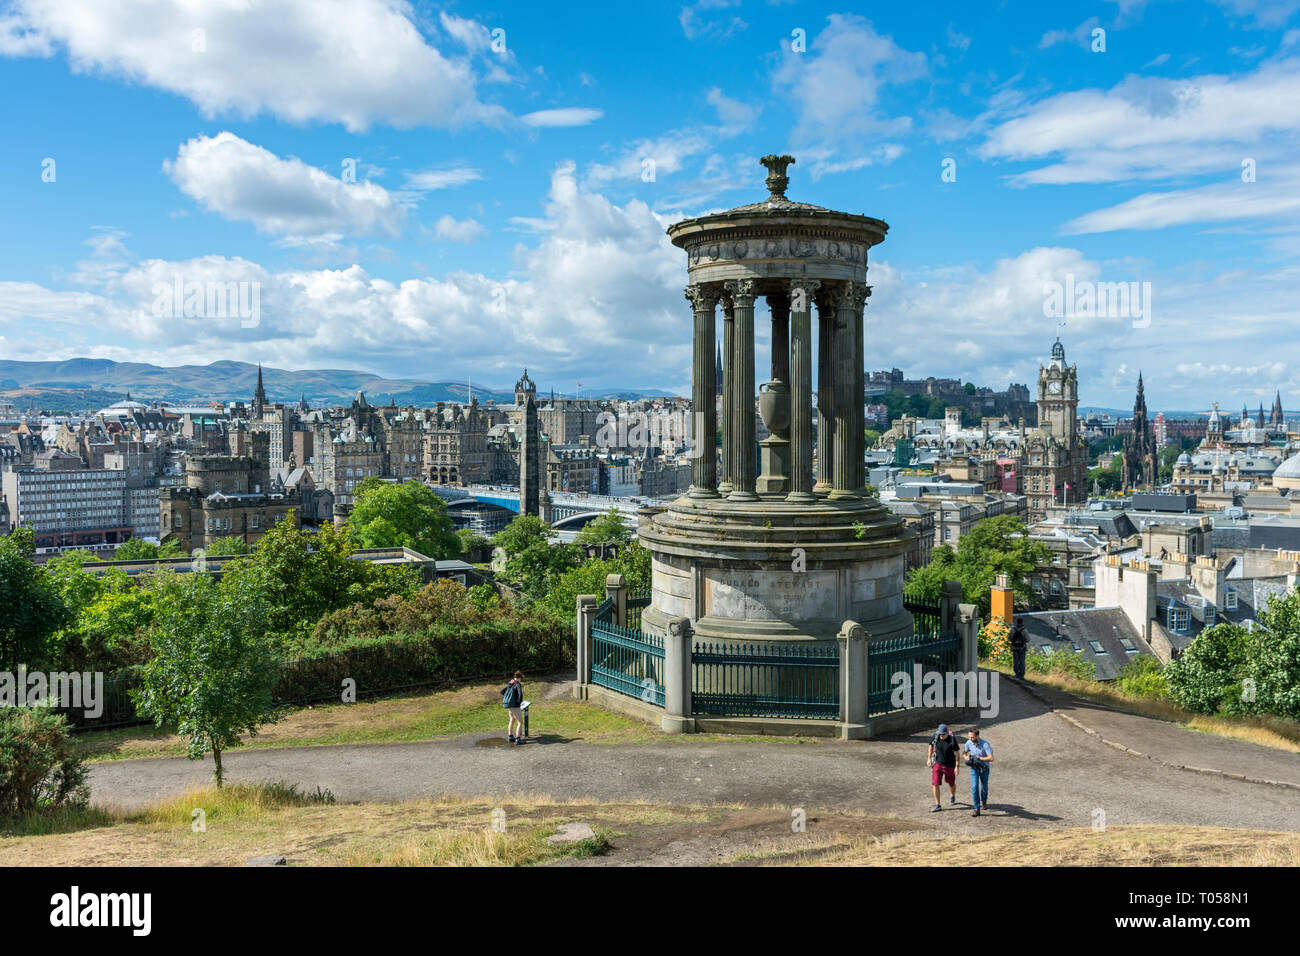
x: 1047, y: 772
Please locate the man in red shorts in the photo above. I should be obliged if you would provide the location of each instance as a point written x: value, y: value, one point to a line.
x: 942, y: 761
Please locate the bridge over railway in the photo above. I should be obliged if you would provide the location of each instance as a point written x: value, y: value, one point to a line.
x: 569, y: 511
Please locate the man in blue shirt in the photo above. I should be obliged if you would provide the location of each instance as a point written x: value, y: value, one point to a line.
x: 979, y: 754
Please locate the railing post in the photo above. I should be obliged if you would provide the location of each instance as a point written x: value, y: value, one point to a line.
x: 853, y: 679
x: 616, y: 590
x: 968, y: 628
x: 949, y: 599
x: 586, y: 615
x: 677, y: 716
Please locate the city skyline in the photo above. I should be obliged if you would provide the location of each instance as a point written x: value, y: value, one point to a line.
x: 483, y: 201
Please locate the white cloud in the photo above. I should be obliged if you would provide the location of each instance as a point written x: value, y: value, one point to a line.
x: 698, y: 20
x: 354, y: 62
x: 568, y: 116
x: 1080, y: 35
x: 1220, y: 202
x: 240, y: 181
x: 1150, y: 128
x: 835, y: 88
x: 427, y: 180
x: 458, y: 230
x: 600, y: 289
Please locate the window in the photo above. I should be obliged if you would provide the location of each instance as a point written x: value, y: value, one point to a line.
x: 1178, y: 618
x: 1210, y: 613
x: 1097, y: 648
x: 1046, y: 648
x: 1129, y: 646
x: 1230, y: 599
x: 1056, y: 586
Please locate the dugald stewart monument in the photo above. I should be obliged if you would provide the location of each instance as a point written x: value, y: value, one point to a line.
x: 776, y: 602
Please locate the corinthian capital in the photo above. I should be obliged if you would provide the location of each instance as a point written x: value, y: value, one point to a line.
x: 741, y: 292
x: 854, y: 294
x: 802, y: 293
x: 703, y: 296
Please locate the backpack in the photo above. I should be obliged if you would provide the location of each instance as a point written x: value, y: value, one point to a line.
x: 935, y: 742
x: 512, y: 694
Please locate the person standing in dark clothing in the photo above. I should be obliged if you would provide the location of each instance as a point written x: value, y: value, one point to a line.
x: 1019, y: 647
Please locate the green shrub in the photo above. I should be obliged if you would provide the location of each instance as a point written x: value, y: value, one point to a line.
x: 41, y: 768
x: 1063, y: 662
x: 1143, y: 677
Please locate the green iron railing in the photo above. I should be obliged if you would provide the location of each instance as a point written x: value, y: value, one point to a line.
x: 926, y: 615
x: 627, y: 661
x: 902, y: 654
x: 637, y: 601
x: 766, y: 680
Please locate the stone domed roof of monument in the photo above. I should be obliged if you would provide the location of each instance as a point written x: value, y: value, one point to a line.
x: 1184, y: 459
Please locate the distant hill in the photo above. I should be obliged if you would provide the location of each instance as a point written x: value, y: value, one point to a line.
x: 96, y: 379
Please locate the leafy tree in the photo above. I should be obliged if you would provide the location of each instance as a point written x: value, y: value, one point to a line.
x: 993, y: 546
x: 1273, y: 658
x: 1110, y: 478
x: 31, y: 609
x: 531, y: 558
x: 405, y: 514
x: 1205, y: 678
x: 632, y: 561
x: 301, y: 576
x: 229, y: 547
x: 138, y: 549
x: 471, y: 542
x: 213, y: 671
x: 607, y: 529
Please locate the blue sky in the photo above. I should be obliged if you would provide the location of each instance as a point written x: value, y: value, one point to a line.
x: 500, y: 215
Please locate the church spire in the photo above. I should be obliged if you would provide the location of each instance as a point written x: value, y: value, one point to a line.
x: 259, y: 394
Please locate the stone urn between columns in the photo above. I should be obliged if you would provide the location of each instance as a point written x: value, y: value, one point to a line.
x: 774, y: 451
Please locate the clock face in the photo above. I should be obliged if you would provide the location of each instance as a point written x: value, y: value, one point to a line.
x: 1054, y: 388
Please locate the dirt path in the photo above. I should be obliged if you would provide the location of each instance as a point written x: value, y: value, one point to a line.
x: 1047, y: 773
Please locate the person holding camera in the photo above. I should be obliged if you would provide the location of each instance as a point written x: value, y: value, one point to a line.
x: 979, y: 754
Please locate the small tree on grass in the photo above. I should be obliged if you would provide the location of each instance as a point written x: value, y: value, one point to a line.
x: 213, y: 671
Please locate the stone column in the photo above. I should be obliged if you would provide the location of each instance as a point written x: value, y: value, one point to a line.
x: 587, y: 604
x: 704, y: 467
x: 859, y: 390
x: 843, y: 473
x: 779, y: 303
x: 801, y: 430
x: 825, y: 391
x: 853, y: 679
x: 677, y: 716
x: 741, y: 400
x: 728, y: 389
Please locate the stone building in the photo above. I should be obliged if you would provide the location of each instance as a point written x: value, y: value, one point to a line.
x: 1055, y: 456
x: 456, y: 444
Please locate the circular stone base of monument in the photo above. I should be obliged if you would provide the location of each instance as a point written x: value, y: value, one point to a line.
x: 773, y: 570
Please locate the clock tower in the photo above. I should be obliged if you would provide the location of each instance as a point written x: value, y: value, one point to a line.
x: 1058, y: 397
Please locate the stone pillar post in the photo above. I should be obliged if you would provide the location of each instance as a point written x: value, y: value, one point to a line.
x: 801, y: 430
x: 704, y: 467
x: 677, y: 716
x: 846, y: 448
x: 853, y: 679
x: 968, y: 627
x: 586, y: 614
x: 743, y: 446
x: 949, y: 599
x: 780, y: 306
x: 616, y: 590
x: 728, y: 389
x: 825, y: 391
